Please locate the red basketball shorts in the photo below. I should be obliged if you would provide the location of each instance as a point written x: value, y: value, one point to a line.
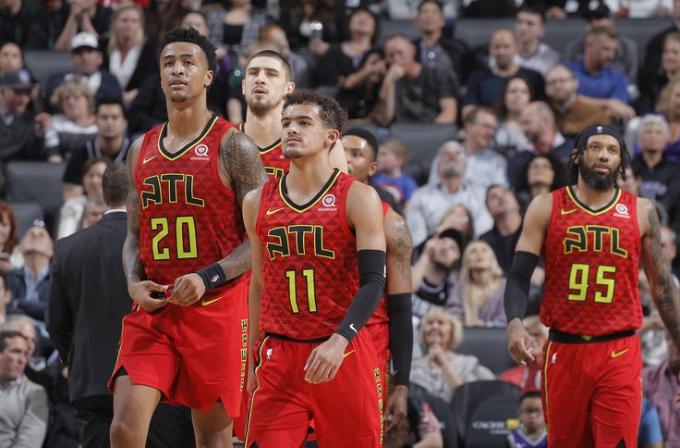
x: 194, y: 355
x: 345, y: 410
x: 380, y: 333
x: 592, y: 393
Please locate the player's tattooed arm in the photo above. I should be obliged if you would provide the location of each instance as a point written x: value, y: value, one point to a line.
x: 664, y: 290
x: 241, y: 164
x: 399, y: 247
x: 134, y: 270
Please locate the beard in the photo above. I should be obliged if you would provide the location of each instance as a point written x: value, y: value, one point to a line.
x: 263, y: 105
x: 597, y: 181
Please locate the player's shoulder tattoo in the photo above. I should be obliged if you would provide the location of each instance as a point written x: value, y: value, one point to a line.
x: 241, y: 160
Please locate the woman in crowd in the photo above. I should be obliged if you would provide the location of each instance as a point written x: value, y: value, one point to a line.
x: 358, y: 92
x: 72, y: 212
x: 11, y: 57
x: 131, y: 57
x: 515, y: 97
x: 10, y: 255
x: 542, y: 173
x: 478, y: 296
x: 70, y: 129
x: 440, y: 370
x: 669, y: 107
x: 650, y: 89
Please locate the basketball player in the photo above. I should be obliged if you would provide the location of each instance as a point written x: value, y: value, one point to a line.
x: 592, y: 236
x: 318, y: 274
x: 390, y: 325
x: 185, y: 343
x: 265, y: 86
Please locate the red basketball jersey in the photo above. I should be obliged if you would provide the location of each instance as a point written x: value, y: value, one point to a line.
x: 275, y: 164
x: 591, y: 266
x: 380, y: 314
x: 309, y: 255
x: 189, y: 218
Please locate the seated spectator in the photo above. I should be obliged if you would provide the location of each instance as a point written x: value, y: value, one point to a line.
x: 82, y: 16
x: 92, y: 212
x: 402, y: 95
x: 129, y: 55
x: 30, y: 284
x: 441, y: 370
x: 435, y: 273
x: 19, y: 139
x: 309, y: 23
x: 11, y: 58
x: 29, y: 328
x: 485, y: 85
x: 458, y: 217
x: 515, y: 97
x: 669, y: 107
x: 9, y: 244
x: 540, y: 174
x: 528, y: 377
x: 507, y: 224
x: 429, y: 202
x: 236, y: 26
x: 342, y: 60
x: 625, y: 56
x: 392, y: 157
x: 25, y: 410
x: 575, y: 112
x: 483, y: 166
x: 408, y: 9
x: 597, y: 78
x: 660, y: 385
x: 433, y: 49
x: 649, y: 433
x: 65, y: 132
x: 72, y: 212
x: 529, y: 29
x: 420, y: 428
x: 532, y: 431
x: 111, y: 144
x: 651, y: 88
x: 651, y: 66
x: 669, y: 247
x: 301, y: 70
x: 361, y: 95
x: 87, y: 63
x: 658, y: 176
x: 23, y: 22
x: 478, y: 296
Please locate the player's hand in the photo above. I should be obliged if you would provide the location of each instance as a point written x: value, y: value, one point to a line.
x: 141, y: 294
x: 396, y: 409
x: 188, y: 289
x: 520, y: 343
x: 324, y: 361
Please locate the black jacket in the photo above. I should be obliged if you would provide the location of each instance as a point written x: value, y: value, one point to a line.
x: 88, y: 301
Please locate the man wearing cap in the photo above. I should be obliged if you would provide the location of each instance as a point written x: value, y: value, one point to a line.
x: 87, y: 62
x: 592, y: 237
x: 17, y: 132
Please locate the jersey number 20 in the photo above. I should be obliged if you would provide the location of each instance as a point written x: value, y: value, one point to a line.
x: 184, y: 229
x: 579, y: 282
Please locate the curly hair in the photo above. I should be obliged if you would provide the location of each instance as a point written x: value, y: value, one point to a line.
x: 332, y: 115
x: 192, y: 36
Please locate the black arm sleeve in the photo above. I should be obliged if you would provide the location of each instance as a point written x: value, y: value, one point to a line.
x: 519, y: 281
x: 372, y: 285
x: 401, y: 335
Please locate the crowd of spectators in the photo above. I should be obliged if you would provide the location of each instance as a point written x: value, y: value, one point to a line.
x: 514, y: 105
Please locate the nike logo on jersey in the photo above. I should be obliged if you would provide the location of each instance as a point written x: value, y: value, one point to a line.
x: 567, y: 212
x: 146, y: 160
x: 616, y: 354
x: 276, y: 210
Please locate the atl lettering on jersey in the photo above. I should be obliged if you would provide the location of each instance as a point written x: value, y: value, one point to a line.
x: 591, y: 264
x: 189, y: 218
x: 310, y: 271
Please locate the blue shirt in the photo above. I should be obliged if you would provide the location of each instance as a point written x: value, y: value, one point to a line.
x: 609, y: 83
x: 403, y: 186
x: 650, y: 426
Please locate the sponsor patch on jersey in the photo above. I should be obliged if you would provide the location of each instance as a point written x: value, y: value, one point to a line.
x: 200, y: 152
x: 328, y: 203
x: 621, y: 211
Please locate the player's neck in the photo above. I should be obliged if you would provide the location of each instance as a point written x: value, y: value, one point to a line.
x: 264, y: 129
x: 307, y: 176
x: 591, y: 197
x: 187, y: 122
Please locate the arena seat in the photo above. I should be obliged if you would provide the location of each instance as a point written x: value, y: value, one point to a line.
x: 26, y: 213
x: 489, y: 345
x: 492, y: 422
x: 467, y: 398
x: 43, y: 63
x: 38, y: 182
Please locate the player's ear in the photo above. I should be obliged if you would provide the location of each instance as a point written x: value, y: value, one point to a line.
x: 332, y: 137
x: 372, y: 168
x: 573, y: 155
x: 208, y: 79
x: 288, y: 89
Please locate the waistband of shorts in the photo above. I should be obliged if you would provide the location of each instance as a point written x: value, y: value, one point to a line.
x: 568, y: 338
x: 304, y: 341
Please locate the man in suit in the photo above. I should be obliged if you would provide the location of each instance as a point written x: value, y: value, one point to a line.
x: 88, y: 301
